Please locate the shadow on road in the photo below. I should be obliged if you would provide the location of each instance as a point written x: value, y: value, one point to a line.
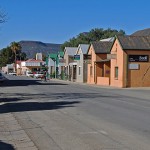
x: 35, y: 106
x: 14, y: 97
x: 5, y: 146
x: 28, y: 82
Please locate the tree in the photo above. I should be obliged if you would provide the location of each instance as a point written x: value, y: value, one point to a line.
x: 15, y: 47
x: 6, y: 56
x: 93, y: 35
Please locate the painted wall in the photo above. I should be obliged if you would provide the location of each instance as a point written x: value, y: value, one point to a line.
x: 95, y: 77
x: 80, y: 76
x: 120, y: 62
x: 91, y: 66
x: 128, y: 77
x: 66, y: 58
x: 139, y: 77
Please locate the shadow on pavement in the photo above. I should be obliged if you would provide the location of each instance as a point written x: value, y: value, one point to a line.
x: 14, y: 97
x: 35, y: 106
x: 5, y: 146
x: 28, y: 82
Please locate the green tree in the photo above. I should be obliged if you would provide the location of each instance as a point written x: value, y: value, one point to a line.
x: 93, y: 35
x: 6, y: 56
x: 15, y: 47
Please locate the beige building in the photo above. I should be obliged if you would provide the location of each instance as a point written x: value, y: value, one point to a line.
x: 70, y: 63
x: 99, y: 66
x: 130, y: 63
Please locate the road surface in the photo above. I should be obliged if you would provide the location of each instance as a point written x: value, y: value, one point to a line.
x: 60, y: 115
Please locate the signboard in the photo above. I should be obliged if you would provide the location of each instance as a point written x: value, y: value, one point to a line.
x: 134, y: 66
x: 138, y: 58
x: 111, y: 56
x: 76, y: 57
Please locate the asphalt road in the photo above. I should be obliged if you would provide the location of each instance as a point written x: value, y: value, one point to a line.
x: 59, y: 115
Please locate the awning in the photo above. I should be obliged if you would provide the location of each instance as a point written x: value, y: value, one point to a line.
x: 72, y: 63
x: 104, y: 60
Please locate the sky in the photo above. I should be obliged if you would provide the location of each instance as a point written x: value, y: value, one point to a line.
x: 57, y: 21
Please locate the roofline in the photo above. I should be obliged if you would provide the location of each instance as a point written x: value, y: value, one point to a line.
x: 89, y: 48
x: 116, y: 38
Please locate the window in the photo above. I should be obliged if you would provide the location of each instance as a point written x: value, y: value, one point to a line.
x: 79, y: 70
x: 116, y: 72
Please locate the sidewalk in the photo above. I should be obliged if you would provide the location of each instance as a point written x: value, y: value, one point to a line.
x: 12, y: 136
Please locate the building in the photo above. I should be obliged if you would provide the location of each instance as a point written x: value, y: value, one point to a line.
x: 130, y: 61
x: 9, y: 68
x: 99, y: 66
x: 29, y: 65
x: 39, y: 56
x: 81, y: 59
x: 70, y: 63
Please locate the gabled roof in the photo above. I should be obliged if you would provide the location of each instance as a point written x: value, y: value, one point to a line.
x: 84, y: 48
x: 102, y: 47
x: 134, y: 42
x: 144, y: 32
x: 70, y: 50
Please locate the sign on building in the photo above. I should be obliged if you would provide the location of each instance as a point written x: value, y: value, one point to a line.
x: 76, y: 57
x: 134, y: 66
x: 138, y: 58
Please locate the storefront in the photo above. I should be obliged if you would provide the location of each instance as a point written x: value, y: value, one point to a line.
x: 130, y: 64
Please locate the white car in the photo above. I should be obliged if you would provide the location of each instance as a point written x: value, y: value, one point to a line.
x: 29, y: 74
x: 38, y: 75
x: 2, y: 78
x: 12, y: 73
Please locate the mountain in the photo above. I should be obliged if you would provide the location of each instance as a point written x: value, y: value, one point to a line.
x: 144, y: 32
x: 33, y: 47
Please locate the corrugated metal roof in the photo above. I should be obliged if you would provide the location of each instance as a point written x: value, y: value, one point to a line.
x: 144, y: 32
x: 70, y: 50
x: 102, y: 47
x: 108, y: 39
x: 84, y: 48
x: 134, y: 42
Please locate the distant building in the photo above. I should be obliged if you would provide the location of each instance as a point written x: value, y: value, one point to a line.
x: 38, y: 56
x: 8, y: 68
x: 81, y: 59
x: 70, y: 64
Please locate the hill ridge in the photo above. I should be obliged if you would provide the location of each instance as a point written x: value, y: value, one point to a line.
x: 33, y: 47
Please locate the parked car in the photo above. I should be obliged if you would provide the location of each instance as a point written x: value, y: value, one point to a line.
x: 12, y: 73
x: 29, y: 74
x: 2, y: 78
x: 38, y: 74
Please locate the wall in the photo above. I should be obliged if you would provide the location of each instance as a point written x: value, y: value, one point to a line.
x: 80, y: 65
x: 90, y: 77
x: 120, y: 62
x: 139, y: 77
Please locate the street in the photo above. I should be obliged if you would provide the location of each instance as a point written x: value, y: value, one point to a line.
x: 60, y: 115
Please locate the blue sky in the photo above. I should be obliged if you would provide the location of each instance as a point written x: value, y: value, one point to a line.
x: 56, y: 21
